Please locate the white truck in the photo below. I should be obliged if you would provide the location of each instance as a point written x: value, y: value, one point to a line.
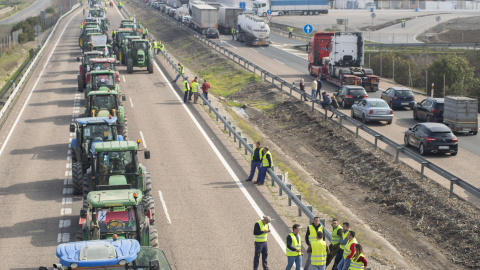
x: 461, y: 114
x: 203, y: 17
x: 292, y: 7
x: 252, y: 30
x: 227, y: 18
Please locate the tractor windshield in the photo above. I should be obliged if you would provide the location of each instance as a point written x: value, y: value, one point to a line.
x: 104, y: 102
x: 140, y: 46
x: 116, y: 163
x: 103, y: 80
x: 98, y: 132
x: 102, y: 66
x: 113, y: 220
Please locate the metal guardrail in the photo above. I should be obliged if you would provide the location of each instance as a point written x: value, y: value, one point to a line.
x: 34, y: 62
x: 454, y: 180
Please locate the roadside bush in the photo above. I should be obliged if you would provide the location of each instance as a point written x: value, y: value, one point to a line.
x: 405, y: 69
x: 50, y: 10
x: 28, y: 31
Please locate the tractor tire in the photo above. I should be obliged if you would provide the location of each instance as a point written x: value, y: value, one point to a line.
x: 153, y: 236
x: 77, y: 178
x: 149, y: 204
x: 79, y: 235
x: 74, y: 155
x: 80, y: 83
x: 148, y: 184
x: 130, y: 65
x: 150, y: 66
x: 86, y: 185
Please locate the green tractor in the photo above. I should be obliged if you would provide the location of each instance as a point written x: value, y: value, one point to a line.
x: 103, y: 80
x: 125, y: 23
x: 85, y: 37
x: 120, y: 34
x: 106, y: 104
x: 115, y: 165
x: 117, y: 212
x: 139, y: 55
x: 124, y: 50
x: 84, y: 67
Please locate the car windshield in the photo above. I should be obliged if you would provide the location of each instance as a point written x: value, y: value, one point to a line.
x: 403, y: 93
x: 378, y: 104
x: 356, y: 92
x: 105, y: 102
x: 104, y: 80
x: 98, y: 132
x: 116, y: 162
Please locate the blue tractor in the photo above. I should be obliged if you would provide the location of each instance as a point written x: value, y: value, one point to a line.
x: 89, y: 131
x: 121, y: 254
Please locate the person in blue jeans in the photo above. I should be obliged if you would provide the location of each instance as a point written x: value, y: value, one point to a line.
x: 314, y: 89
x: 266, y: 162
x: 319, y: 86
x: 294, y: 249
x: 256, y: 160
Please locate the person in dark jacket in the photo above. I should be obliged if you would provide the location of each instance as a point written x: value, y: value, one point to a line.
x: 266, y: 162
x: 256, y: 160
x: 311, y: 235
x: 334, y: 105
x: 260, y: 231
x: 319, y: 85
x: 326, y: 100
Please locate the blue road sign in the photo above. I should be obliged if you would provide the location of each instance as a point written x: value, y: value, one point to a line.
x: 269, y: 12
x: 308, y: 29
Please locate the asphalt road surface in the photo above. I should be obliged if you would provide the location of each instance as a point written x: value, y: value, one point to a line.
x: 31, y: 11
x: 208, y: 215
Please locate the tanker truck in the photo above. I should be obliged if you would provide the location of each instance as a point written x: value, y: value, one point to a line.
x: 252, y: 30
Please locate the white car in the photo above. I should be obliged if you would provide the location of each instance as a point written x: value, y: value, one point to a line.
x: 372, y: 109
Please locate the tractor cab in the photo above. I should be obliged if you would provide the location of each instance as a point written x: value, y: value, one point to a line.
x: 102, y: 104
x: 105, y: 25
x: 124, y: 49
x: 102, y: 80
x: 139, y: 55
x: 124, y: 22
x: 120, y: 34
x: 104, y: 48
x: 84, y: 68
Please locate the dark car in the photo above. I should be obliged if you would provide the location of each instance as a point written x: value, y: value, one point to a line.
x: 399, y: 97
x: 211, y: 33
x: 432, y: 138
x: 430, y: 110
x: 347, y: 95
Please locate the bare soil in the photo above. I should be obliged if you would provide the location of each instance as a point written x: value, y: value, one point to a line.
x: 430, y: 230
x: 454, y: 31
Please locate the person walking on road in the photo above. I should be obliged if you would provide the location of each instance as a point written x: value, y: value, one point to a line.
x: 319, y: 85
x: 348, y: 250
x: 337, y: 232
x: 311, y: 236
x: 186, y: 90
x: 342, y: 242
x: 256, y: 161
x: 359, y: 262
x: 335, y: 106
x: 290, y: 32
x: 294, y: 249
x: 266, y: 162
x: 233, y: 31
x: 181, y: 70
x: 260, y: 231
x: 205, y: 88
x: 319, y: 250
x: 326, y: 100
x: 314, y: 89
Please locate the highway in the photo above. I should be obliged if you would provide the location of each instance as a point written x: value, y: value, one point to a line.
x: 31, y: 11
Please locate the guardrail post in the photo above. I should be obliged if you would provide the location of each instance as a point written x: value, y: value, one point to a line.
x: 225, y: 125
x: 289, y: 186
x: 246, y: 149
x: 397, y: 154
x: 299, y: 196
x: 216, y: 115
x: 313, y: 105
x: 279, y: 177
x: 376, y: 140
x: 452, y: 182
x: 356, y: 131
x: 273, y: 79
x: 341, y: 120
x: 310, y: 208
x: 422, y: 170
x: 240, y: 142
x: 234, y: 137
x: 239, y: 137
x: 326, y: 116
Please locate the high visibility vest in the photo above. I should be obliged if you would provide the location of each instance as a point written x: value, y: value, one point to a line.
x: 259, y: 151
x: 265, y: 160
x: 290, y: 30
x: 319, y: 252
x: 181, y: 69
x: 335, y: 237
x: 161, y: 47
x: 295, y: 245
x: 120, y: 4
x: 355, y: 264
x: 344, y: 235
x: 262, y: 237
x: 155, y: 45
x: 347, y: 251
x: 185, y: 86
x: 194, y: 87
x: 233, y: 30
x: 312, y: 236
x: 131, y: 18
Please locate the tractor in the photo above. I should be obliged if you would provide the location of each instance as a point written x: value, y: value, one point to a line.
x: 120, y: 34
x: 97, y: 64
x: 106, y: 104
x: 107, y: 49
x: 89, y: 131
x: 103, y: 80
x: 113, y: 254
x: 119, y: 212
x: 84, y: 67
x: 124, y: 49
x: 139, y: 55
x: 123, y: 23
x: 84, y: 37
x: 105, y: 25
x: 114, y: 165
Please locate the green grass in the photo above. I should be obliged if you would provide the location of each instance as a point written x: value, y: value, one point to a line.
x: 8, y: 62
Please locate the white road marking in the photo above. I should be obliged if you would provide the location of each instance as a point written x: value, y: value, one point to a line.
x: 131, y: 102
x: 164, y: 205
x: 65, y: 211
x: 123, y: 76
x: 65, y: 223
x: 67, y: 191
x: 68, y: 173
x: 278, y: 61
x: 224, y: 162
x: 143, y: 140
x: 67, y: 182
x: 253, y: 50
x: 68, y: 165
x: 67, y: 200
x: 63, y: 238
x: 222, y: 41
x: 33, y: 89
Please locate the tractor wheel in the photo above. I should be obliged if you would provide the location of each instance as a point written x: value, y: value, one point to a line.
x: 149, y: 204
x: 130, y: 65
x: 86, y: 185
x: 150, y: 66
x: 153, y: 236
x: 77, y: 178
x: 80, y: 83
x: 79, y: 235
x: 148, y: 184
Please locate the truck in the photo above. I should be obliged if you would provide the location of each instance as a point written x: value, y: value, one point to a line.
x: 203, y: 17
x: 252, y: 30
x: 461, y: 114
x: 338, y: 58
x: 293, y: 7
x: 227, y: 18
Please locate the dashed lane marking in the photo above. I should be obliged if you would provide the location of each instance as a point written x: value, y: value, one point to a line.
x: 164, y: 205
x: 143, y: 140
x: 278, y: 61
x: 131, y: 102
x: 123, y: 77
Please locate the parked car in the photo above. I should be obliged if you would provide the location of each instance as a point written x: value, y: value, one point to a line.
x: 432, y: 138
x: 211, y: 33
x: 399, y: 97
x: 430, y: 110
x: 372, y: 109
x: 348, y: 94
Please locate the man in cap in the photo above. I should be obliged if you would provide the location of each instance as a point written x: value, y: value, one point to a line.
x: 260, y: 231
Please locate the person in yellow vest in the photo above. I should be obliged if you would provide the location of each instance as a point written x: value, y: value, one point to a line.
x: 105, y: 9
x: 195, y: 88
x: 348, y: 250
x: 234, y: 32
x: 160, y: 47
x: 294, y: 249
x: 319, y: 251
x: 343, y: 241
x: 155, y: 46
x: 145, y: 32
x: 311, y: 236
x: 186, y: 90
x: 359, y: 262
x: 181, y: 70
x: 266, y: 162
x: 131, y: 18
x: 290, y: 32
x: 337, y: 232
x: 256, y: 160
x: 260, y: 231
x: 120, y: 5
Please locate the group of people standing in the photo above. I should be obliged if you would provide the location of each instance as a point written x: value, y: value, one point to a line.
x: 316, y: 88
x: 344, y: 249
x: 261, y: 160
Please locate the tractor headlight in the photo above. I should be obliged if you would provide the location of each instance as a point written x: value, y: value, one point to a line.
x: 73, y: 265
x: 122, y: 262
